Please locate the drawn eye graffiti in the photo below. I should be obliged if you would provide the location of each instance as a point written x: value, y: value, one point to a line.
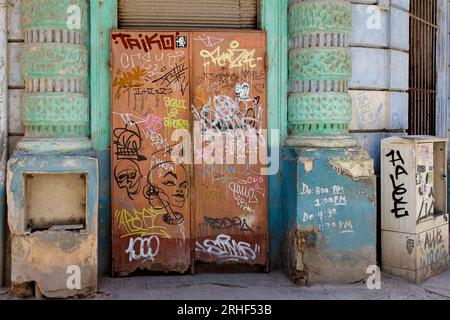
x: 184, y: 185
x: 168, y: 183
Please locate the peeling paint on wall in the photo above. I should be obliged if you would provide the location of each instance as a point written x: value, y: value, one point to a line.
x: 331, y: 223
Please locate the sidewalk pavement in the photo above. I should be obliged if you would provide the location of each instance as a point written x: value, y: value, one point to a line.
x: 260, y: 286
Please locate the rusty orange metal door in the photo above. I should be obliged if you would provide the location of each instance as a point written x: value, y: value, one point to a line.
x: 153, y: 195
x: 150, y: 192
x: 229, y: 98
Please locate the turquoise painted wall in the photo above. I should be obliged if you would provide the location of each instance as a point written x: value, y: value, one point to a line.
x: 274, y: 21
x: 332, y: 211
x: 103, y: 18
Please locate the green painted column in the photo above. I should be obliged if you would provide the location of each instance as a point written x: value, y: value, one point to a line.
x: 56, y: 150
x: 55, y: 104
x: 319, y: 106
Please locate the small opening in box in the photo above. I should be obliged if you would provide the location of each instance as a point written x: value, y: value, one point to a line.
x: 439, y: 178
x: 56, y: 201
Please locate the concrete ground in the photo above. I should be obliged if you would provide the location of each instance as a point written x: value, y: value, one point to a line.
x: 271, y: 286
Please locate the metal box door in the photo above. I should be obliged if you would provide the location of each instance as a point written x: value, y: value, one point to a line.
x: 229, y: 94
x: 414, y: 218
x: 150, y: 193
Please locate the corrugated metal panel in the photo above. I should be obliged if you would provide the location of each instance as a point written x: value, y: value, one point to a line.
x: 188, y: 14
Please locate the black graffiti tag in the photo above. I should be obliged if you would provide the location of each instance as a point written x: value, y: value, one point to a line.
x: 128, y: 142
x: 176, y: 75
x: 427, y: 206
x: 398, y: 189
x: 227, y: 223
x: 146, y: 43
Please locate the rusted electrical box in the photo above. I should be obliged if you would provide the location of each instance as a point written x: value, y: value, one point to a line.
x: 414, y: 218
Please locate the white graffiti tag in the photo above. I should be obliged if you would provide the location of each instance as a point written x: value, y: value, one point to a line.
x: 245, y: 194
x: 224, y: 248
x: 222, y: 113
x: 147, y: 248
x: 209, y: 41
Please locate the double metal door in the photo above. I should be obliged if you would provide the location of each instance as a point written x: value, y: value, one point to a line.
x: 188, y: 112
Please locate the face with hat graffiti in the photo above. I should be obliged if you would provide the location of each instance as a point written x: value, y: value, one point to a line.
x: 167, y: 185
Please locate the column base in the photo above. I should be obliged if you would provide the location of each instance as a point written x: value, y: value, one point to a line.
x: 329, y: 141
x: 54, y: 145
x: 53, y: 219
x: 329, y: 199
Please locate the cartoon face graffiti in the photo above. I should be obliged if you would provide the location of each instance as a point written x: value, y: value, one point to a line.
x: 181, y: 42
x: 174, y: 186
x: 167, y: 188
x: 242, y: 91
x: 128, y: 176
x: 128, y: 142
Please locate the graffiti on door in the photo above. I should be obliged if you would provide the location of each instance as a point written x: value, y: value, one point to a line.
x: 229, y: 100
x: 211, y: 86
x: 150, y: 96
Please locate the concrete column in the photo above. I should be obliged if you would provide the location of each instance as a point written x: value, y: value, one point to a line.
x: 319, y: 106
x: 3, y: 128
x: 328, y: 193
x: 52, y: 177
x: 55, y: 70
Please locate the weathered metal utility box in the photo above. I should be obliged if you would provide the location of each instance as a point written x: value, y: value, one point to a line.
x: 414, y: 218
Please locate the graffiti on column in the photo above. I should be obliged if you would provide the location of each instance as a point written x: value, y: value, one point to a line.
x: 326, y: 203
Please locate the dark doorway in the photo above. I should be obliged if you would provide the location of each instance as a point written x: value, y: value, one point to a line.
x: 422, y: 70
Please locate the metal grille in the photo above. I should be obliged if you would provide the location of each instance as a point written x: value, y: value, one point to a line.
x: 422, y: 70
x: 188, y: 14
